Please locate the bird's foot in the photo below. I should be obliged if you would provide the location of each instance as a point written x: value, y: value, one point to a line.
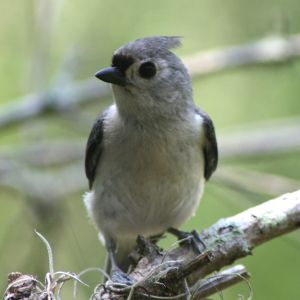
x: 154, y: 239
x: 120, y: 278
x: 192, y: 239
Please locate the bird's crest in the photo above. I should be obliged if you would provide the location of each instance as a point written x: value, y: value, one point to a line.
x: 159, y: 42
x: 148, y: 47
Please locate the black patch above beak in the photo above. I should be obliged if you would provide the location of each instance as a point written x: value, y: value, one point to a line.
x: 112, y: 75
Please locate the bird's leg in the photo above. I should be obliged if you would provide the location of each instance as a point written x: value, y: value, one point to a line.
x: 192, y: 238
x: 156, y: 238
x: 117, y: 275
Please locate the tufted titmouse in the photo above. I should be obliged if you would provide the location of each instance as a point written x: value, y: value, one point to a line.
x: 149, y: 154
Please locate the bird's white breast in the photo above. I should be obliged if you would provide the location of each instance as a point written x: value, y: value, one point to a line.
x: 147, y: 180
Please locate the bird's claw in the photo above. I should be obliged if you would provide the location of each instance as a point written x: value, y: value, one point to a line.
x: 192, y: 239
x: 121, y: 278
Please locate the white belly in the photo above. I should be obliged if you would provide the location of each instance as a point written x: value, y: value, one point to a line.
x: 146, y: 187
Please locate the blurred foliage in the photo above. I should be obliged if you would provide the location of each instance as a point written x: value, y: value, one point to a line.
x: 36, y: 37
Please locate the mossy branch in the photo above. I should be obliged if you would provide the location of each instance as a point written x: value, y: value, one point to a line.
x: 175, y: 272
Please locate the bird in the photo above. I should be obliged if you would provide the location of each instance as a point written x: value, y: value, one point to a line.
x: 150, y: 153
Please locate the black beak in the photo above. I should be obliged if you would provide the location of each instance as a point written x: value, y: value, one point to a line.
x: 112, y: 75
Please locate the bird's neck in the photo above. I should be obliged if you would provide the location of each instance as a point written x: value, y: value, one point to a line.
x: 153, y: 111
x: 154, y: 118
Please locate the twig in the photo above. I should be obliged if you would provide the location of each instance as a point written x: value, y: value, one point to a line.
x: 49, y: 251
x: 24, y: 286
x: 220, y: 282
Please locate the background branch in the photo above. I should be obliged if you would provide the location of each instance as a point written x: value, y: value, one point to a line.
x: 274, y: 49
x: 32, y: 161
x: 261, y: 138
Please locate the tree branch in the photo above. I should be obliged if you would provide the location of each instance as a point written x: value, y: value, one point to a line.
x: 181, y: 273
x: 220, y: 282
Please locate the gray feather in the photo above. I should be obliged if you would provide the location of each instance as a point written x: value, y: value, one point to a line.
x: 160, y: 42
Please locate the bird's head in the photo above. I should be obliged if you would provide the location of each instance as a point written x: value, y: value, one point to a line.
x: 147, y: 78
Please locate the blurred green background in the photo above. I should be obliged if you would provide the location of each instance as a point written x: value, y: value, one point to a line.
x: 48, y: 45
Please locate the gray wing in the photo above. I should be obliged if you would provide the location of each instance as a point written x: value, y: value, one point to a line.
x: 94, y: 149
x: 209, y: 147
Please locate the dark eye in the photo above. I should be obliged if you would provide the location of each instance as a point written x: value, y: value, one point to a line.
x: 147, y: 70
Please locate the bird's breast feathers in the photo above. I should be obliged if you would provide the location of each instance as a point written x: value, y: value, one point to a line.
x: 160, y: 172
